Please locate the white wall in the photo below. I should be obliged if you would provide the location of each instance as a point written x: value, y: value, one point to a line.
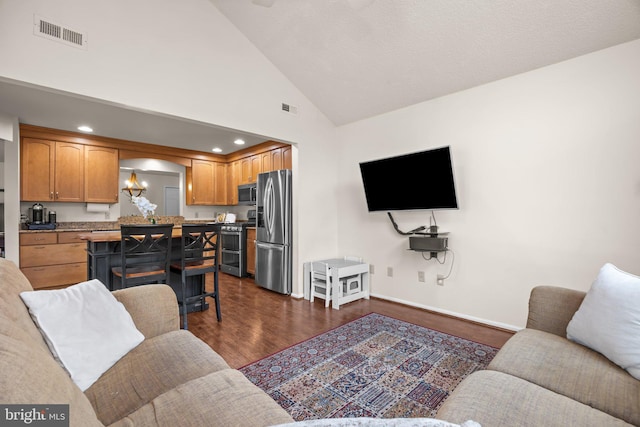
x: 184, y: 59
x: 11, y: 192
x: 548, y: 181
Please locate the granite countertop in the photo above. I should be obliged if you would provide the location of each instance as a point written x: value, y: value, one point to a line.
x: 77, y: 226
x: 113, y: 225
x: 103, y: 226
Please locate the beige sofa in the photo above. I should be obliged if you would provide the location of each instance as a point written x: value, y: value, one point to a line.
x: 540, y: 378
x: 170, y: 379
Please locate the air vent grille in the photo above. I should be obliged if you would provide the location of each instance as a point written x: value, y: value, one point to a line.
x: 291, y: 109
x: 72, y: 36
x: 53, y: 31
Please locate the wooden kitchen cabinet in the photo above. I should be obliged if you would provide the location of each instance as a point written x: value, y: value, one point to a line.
x: 235, y: 173
x: 266, y: 164
x: 53, y: 259
x: 287, y: 160
x: 51, y: 171
x: 101, y: 169
x: 202, y: 182
x: 276, y: 159
x: 208, y: 184
x: 36, y: 169
x: 251, y: 250
x: 221, y: 184
x: 250, y: 166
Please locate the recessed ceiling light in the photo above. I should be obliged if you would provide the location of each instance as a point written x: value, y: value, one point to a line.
x: 85, y: 128
x: 217, y: 150
x: 239, y: 141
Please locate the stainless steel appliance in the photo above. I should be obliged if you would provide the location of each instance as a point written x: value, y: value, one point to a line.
x: 233, y: 254
x: 37, y: 213
x: 233, y: 250
x: 247, y: 194
x: 274, y: 231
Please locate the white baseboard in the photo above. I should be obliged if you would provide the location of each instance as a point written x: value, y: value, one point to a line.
x: 451, y: 313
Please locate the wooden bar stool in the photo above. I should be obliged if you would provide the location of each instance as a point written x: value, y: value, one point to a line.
x: 199, y: 256
x: 145, y: 253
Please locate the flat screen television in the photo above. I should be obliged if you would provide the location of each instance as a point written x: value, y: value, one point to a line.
x: 422, y: 180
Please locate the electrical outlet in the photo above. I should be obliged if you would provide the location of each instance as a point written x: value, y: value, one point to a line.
x: 440, y: 280
x: 372, y: 269
x: 390, y: 271
x: 420, y: 276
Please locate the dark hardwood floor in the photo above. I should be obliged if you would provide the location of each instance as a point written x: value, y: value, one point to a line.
x: 257, y: 322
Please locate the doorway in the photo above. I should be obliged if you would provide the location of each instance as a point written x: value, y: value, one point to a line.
x: 172, y: 201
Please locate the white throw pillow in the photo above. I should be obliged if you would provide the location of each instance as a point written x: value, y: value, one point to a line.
x: 85, y: 327
x: 608, y: 321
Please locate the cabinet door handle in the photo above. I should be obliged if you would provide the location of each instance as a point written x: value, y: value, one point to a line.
x: 57, y: 195
x: 51, y: 196
x: 39, y: 247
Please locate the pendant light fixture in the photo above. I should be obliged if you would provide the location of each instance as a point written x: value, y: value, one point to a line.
x: 133, y: 187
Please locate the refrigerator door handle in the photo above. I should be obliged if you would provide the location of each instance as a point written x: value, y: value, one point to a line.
x: 269, y: 205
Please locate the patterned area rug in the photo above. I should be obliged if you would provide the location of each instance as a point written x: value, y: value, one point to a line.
x: 375, y: 366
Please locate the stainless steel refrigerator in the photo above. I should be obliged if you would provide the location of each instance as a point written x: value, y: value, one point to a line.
x: 274, y: 232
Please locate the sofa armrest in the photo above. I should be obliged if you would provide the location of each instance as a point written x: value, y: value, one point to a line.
x: 154, y: 308
x: 551, y: 308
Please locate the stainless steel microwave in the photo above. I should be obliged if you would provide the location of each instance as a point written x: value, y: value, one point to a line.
x: 247, y: 194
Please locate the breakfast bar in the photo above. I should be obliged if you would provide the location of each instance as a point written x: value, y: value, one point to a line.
x: 103, y: 253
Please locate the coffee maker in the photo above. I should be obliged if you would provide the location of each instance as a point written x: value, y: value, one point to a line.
x: 37, y: 214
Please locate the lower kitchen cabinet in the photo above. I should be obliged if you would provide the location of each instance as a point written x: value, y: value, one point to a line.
x: 251, y: 250
x: 53, y: 259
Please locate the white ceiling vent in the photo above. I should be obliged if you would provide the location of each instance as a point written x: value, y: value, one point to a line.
x: 48, y: 29
x: 291, y: 109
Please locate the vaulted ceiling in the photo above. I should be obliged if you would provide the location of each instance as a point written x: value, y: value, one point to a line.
x: 359, y: 58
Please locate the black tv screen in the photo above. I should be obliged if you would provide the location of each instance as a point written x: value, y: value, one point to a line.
x: 421, y: 180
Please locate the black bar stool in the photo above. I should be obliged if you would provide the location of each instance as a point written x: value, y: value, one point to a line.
x: 145, y: 252
x: 199, y: 256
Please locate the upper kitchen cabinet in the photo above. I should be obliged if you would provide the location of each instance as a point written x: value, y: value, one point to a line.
x: 221, y: 183
x: 101, y: 170
x: 266, y: 161
x: 234, y: 170
x: 279, y: 158
x: 208, y: 184
x: 287, y: 160
x: 251, y: 167
x: 51, y: 170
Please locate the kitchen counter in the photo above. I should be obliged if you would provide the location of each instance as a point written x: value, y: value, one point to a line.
x: 77, y: 226
x: 101, y: 226
x: 115, y: 236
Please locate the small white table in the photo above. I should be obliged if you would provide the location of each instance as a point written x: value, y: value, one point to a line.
x: 339, y: 268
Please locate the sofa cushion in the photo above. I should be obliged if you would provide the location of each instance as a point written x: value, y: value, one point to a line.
x: 30, y: 375
x: 11, y: 306
x: 154, y: 367
x: 223, y: 398
x: 608, y: 321
x: 572, y: 370
x: 85, y: 327
x: 496, y: 399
